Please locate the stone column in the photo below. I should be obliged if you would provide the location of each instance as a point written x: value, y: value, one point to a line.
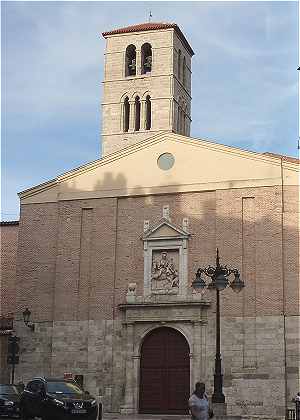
x: 128, y: 406
x: 131, y: 116
x: 138, y: 63
x: 143, y: 114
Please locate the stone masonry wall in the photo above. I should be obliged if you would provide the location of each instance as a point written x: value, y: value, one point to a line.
x: 161, y: 84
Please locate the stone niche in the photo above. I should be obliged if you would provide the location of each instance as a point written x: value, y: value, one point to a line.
x: 165, y: 261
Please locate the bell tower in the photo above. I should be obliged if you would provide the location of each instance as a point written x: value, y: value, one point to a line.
x: 147, y: 84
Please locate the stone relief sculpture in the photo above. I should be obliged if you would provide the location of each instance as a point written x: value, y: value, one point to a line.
x: 164, y: 276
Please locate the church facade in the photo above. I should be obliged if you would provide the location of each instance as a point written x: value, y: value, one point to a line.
x: 107, y: 252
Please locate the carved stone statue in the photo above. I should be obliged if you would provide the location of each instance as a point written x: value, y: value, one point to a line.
x: 164, y: 273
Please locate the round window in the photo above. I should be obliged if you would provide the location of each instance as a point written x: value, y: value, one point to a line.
x: 165, y: 161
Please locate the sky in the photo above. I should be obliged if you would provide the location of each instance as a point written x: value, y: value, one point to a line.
x: 244, y: 82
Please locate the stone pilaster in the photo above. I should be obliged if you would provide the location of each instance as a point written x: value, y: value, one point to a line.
x: 128, y: 406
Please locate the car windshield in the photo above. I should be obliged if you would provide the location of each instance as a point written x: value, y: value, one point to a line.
x: 63, y: 388
x: 8, y: 390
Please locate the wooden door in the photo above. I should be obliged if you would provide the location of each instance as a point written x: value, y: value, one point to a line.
x: 164, y: 373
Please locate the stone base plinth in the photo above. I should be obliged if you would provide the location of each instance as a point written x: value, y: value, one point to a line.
x: 227, y: 417
x: 220, y: 409
x: 127, y: 410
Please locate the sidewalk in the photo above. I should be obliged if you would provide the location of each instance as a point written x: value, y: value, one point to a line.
x: 117, y: 416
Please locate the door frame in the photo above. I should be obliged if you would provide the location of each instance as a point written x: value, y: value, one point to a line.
x: 140, y: 318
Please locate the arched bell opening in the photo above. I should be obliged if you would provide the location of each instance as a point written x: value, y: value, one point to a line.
x: 146, y: 58
x: 130, y: 61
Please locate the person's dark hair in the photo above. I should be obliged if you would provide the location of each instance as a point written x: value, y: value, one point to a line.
x: 199, y: 388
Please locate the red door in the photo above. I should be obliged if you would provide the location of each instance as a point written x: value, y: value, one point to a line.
x: 165, y: 373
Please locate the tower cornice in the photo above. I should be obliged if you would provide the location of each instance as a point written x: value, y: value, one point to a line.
x: 151, y: 26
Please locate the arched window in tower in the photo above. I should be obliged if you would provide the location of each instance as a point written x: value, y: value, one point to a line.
x: 182, y: 121
x: 148, y: 113
x: 179, y: 64
x: 137, y: 109
x: 126, y: 114
x: 183, y: 71
x: 130, y: 61
x: 146, y: 58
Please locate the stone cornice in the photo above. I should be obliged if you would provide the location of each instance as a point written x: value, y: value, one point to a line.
x: 178, y: 304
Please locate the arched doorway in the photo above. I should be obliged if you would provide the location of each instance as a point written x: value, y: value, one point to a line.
x: 164, y: 373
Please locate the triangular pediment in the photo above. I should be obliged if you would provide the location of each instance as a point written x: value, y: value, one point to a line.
x: 165, y: 230
x: 198, y: 165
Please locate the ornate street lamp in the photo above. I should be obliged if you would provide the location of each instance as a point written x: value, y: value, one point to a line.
x: 219, y: 281
x: 26, y: 318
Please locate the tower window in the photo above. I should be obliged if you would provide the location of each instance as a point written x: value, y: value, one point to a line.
x: 126, y: 115
x: 179, y: 64
x: 148, y: 113
x: 183, y: 71
x: 146, y: 58
x: 130, y: 61
x: 137, y: 106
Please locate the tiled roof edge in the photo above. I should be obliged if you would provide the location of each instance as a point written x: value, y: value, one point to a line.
x: 283, y: 157
x: 150, y: 27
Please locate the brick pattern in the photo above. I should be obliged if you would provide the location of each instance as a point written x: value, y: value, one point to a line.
x: 9, y: 244
x: 98, y: 242
x: 36, y: 260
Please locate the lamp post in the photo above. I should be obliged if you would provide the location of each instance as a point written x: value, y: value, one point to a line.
x: 26, y: 319
x: 219, y: 281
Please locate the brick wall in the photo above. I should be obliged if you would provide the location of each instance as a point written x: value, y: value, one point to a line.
x: 96, y: 245
x: 9, y: 243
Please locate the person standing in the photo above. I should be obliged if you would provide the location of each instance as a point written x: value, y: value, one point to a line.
x: 198, y: 403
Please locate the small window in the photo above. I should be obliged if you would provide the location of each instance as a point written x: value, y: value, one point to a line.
x: 130, y: 61
x: 146, y: 58
x: 183, y: 71
x: 137, y: 106
x: 179, y: 64
x: 126, y: 115
x: 148, y: 113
